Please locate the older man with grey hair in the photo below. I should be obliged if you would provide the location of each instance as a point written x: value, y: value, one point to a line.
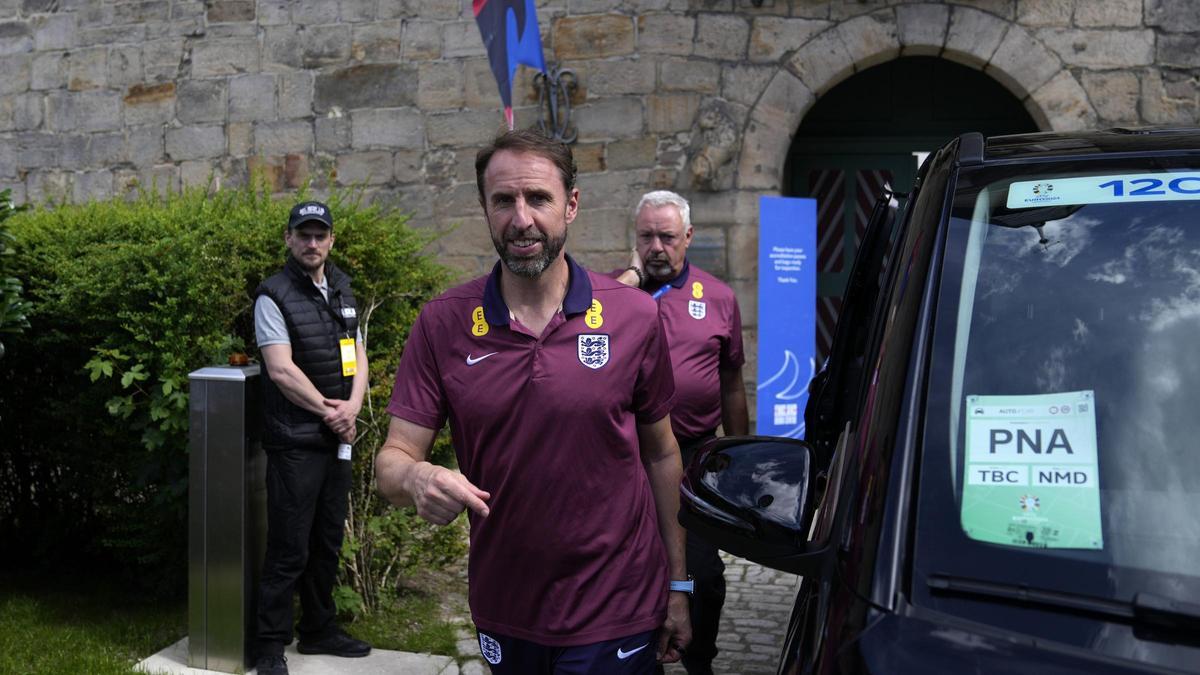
x: 704, y: 330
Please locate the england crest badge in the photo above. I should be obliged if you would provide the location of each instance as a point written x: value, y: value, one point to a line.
x: 697, y: 309
x: 593, y: 350
x: 489, y: 648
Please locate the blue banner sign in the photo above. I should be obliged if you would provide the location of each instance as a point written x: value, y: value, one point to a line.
x: 787, y: 312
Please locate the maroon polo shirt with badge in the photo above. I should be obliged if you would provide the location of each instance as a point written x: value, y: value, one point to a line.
x: 704, y: 329
x: 570, y: 553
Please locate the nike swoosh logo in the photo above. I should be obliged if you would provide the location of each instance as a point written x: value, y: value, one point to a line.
x: 471, y: 361
x: 621, y: 654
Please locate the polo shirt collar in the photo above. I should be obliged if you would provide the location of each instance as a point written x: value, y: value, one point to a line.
x: 578, y: 298
x: 682, y: 277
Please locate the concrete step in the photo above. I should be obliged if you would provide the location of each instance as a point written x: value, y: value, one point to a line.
x: 173, y: 661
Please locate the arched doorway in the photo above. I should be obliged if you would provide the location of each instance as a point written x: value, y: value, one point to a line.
x: 871, y: 130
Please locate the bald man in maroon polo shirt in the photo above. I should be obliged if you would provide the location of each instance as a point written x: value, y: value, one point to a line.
x: 557, y: 386
x: 704, y: 331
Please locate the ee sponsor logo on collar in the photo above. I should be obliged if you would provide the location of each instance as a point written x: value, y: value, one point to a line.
x: 479, y: 325
x: 594, y: 318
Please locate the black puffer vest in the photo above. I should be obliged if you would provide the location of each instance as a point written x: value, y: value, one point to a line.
x: 315, y: 328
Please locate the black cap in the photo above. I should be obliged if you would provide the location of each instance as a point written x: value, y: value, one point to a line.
x: 310, y: 212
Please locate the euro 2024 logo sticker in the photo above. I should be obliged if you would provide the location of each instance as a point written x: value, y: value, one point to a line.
x: 593, y: 350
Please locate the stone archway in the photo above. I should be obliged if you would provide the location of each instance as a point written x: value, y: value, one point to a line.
x: 1000, y: 48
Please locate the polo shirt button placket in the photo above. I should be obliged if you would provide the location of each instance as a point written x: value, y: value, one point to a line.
x: 537, y: 359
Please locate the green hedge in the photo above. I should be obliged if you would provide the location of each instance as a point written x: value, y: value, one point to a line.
x: 12, y: 306
x: 128, y: 296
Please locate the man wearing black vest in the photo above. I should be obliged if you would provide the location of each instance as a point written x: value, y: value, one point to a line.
x: 306, y: 324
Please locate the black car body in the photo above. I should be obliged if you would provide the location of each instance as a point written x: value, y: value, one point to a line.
x: 1034, y: 294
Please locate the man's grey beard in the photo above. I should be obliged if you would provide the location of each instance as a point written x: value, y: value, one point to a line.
x: 530, y: 268
x: 658, y: 270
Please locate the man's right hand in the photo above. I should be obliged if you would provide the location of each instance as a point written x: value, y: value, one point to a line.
x: 441, y: 494
x: 628, y: 276
x: 340, y: 415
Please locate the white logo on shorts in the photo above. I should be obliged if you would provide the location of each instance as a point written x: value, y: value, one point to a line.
x: 622, y: 654
x: 490, y: 649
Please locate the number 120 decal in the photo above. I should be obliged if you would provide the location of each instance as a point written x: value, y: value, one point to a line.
x: 1184, y: 185
x: 1144, y: 187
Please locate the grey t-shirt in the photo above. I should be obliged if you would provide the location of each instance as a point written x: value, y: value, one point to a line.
x: 269, y: 325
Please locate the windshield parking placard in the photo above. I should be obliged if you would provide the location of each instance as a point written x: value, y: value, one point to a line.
x: 1135, y: 187
x: 1031, y: 476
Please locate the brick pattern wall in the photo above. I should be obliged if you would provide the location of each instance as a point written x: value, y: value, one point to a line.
x: 98, y: 96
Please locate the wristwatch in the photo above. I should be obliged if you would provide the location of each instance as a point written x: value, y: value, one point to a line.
x: 688, y: 586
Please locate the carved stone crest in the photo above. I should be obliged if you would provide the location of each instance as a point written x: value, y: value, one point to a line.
x: 714, y: 142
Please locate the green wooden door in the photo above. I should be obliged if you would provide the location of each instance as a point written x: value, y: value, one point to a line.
x: 867, y: 133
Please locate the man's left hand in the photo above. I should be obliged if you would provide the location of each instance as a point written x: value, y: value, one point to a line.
x: 341, y: 415
x: 676, y: 632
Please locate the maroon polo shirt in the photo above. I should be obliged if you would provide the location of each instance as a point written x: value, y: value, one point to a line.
x: 704, y: 329
x: 570, y: 553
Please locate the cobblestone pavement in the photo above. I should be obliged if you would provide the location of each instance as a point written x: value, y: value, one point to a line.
x: 758, y: 602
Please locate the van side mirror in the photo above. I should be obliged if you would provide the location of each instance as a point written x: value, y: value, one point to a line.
x: 754, y: 496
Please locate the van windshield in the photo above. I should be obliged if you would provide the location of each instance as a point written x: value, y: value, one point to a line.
x: 1063, y: 417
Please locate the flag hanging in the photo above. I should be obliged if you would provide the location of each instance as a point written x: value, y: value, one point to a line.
x: 510, y: 34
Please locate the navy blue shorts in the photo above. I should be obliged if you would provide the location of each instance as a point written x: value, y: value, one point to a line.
x: 631, y: 655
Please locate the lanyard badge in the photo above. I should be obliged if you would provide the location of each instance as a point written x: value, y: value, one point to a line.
x: 349, y: 357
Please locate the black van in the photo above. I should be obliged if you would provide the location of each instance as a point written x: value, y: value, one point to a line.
x: 1001, y: 469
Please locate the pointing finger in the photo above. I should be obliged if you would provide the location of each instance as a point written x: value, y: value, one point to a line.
x: 474, y: 498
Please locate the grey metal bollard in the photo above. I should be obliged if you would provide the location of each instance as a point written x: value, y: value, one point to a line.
x: 227, y: 516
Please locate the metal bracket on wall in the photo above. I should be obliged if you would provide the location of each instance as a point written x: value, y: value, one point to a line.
x: 555, y: 86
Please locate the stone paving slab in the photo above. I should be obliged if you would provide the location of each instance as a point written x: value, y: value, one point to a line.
x: 173, y: 661
x: 758, y: 603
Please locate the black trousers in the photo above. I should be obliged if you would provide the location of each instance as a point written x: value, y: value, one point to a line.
x: 705, y: 565
x: 307, y: 501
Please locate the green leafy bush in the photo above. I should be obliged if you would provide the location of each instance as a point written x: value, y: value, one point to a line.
x: 129, y: 296
x: 12, y: 306
x: 383, y: 545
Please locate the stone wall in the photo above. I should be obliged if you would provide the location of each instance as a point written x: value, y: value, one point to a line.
x: 702, y: 96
